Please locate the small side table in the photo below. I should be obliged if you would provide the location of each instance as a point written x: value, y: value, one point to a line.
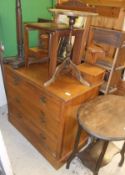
x: 55, y: 31
x: 103, y: 119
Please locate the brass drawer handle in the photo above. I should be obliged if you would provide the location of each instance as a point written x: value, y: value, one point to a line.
x: 19, y: 116
x: 43, y: 138
x: 16, y: 80
x: 17, y: 100
x: 54, y: 154
x: 42, y: 117
x: 43, y: 99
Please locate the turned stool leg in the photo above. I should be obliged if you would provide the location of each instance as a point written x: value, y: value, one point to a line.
x: 99, y: 161
x: 75, y: 149
x: 122, y: 155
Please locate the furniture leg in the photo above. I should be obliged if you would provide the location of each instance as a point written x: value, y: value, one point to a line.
x: 112, y: 71
x: 53, y: 52
x: 26, y: 46
x: 59, y: 68
x: 77, y: 48
x: 99, y: 161
x: 122, y: 155
x: 75, y: 149
x: 80, y: 42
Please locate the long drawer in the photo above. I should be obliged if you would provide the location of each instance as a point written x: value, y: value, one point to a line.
x: 37, y: 116
x: 35, y: 134
x: 34, y: 96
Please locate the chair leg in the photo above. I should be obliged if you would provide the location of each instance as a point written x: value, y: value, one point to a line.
x: 99, y: 161
x: 75, y: 149
x: 122, y: 155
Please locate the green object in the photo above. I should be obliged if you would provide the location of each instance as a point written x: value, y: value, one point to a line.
x: 31, y: 11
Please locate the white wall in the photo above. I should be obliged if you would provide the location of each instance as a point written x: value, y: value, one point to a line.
x: 3, y: 100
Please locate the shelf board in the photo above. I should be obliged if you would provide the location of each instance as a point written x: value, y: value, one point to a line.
x: 90, y: 155
x: 111, y: 89
x: 38, y: 52
x: 107, y: 65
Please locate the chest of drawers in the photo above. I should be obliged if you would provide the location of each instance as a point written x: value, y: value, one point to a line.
x: 46, y: 116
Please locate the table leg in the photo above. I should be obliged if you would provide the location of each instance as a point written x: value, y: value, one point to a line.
x: 78, y: 48
x: 53, y: 50
x: 99, y: 161
x: 26, y: 46
x: 80, y: 42
x: 122, y: 155
x: 75, y: 149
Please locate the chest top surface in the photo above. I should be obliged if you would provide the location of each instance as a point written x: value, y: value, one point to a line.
x: 65, y: 87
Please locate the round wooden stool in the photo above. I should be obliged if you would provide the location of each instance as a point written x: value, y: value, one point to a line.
x: 103, y: 119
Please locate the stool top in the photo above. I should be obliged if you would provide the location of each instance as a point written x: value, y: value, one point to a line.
x: 104, y: 117
x: 48, y: 26
x: 72, y: 12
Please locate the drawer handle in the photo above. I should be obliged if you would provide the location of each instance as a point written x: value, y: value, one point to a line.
x: 54, y: 155
x: 17, y: 100
x: 43, y: 138
x: 16, y: 80
x: 43, y: 99
x: 42, y: 117
x: 19, y: 116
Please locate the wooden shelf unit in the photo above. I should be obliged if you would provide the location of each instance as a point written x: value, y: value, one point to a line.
x: 106, y: 48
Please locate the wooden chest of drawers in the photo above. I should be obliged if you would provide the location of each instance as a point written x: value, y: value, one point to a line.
x: 46, y: 116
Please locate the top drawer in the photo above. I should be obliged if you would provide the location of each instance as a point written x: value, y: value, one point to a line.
x: 18, y: 86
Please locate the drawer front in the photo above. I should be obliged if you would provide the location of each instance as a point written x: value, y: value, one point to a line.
x: 43, y: 139
x: 39, y: 116
x: 17, y: 86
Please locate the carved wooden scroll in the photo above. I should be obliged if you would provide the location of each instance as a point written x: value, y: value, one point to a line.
x: 81, y: 5
x: 111, y: 12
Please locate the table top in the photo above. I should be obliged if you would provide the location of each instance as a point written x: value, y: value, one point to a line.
x: 51, y: 26
x: 47, y: 26
x: 104, y: 117
x: 74, y: 13
x: 66, y: 87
